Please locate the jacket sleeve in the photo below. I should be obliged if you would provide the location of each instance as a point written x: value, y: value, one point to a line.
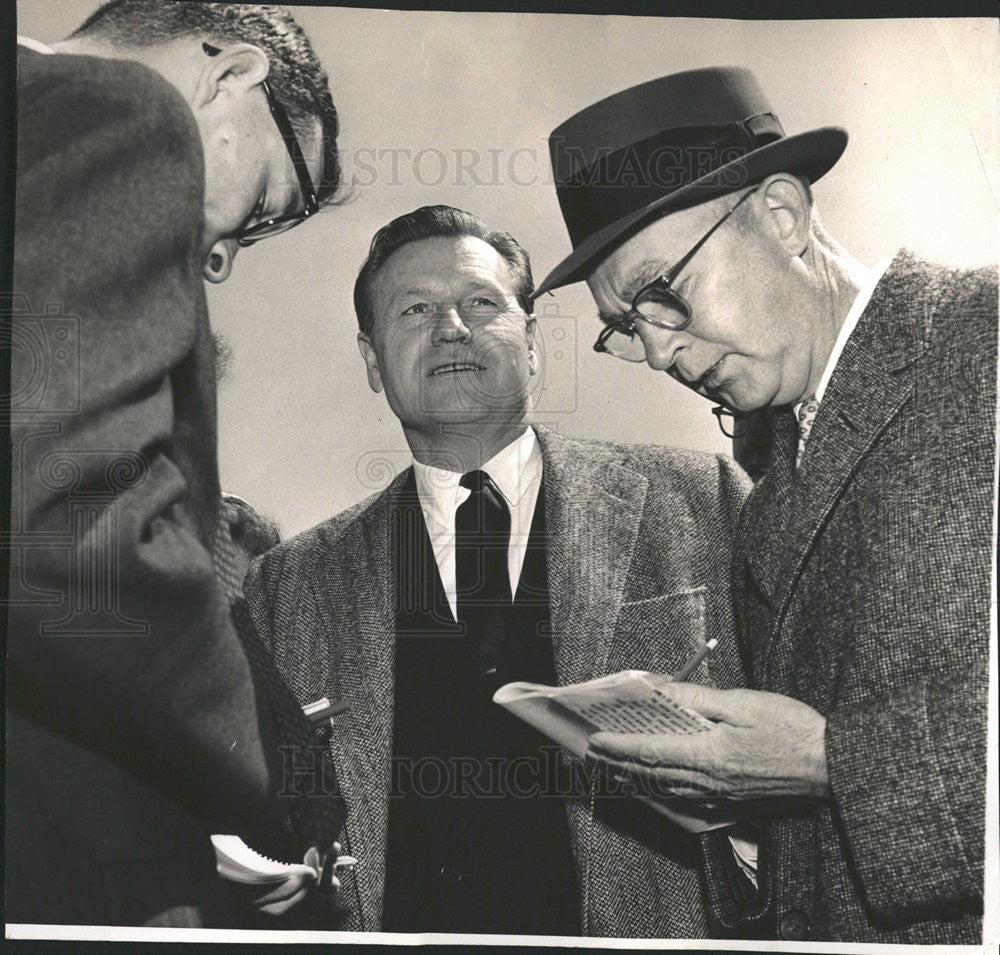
x: 909, y: 769
x: 119, y: 634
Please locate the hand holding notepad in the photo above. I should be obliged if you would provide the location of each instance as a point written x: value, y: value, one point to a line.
x: 237, y: 862
x: 630, y: 702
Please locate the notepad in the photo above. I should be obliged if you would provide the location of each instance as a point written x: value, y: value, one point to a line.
x: 625, y: 702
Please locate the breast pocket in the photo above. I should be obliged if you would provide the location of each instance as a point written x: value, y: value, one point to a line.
x: 661, y: 634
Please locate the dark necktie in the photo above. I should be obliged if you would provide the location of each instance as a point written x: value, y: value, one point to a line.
x: 482, y: 581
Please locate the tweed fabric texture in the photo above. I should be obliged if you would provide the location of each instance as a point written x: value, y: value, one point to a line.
x: 863, y: 588
x: 315, y: 806
x: 639, y: 546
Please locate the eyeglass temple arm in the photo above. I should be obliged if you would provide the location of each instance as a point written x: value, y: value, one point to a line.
x: 675, y: 271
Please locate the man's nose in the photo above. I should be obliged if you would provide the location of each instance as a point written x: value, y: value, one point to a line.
x: 661, y: 345
x: 449, y: 326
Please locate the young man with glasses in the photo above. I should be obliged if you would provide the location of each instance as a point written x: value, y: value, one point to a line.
x: 862, y: 578
x: 142, y: 714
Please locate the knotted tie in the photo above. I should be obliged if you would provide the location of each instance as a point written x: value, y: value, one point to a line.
x: 482, y: 581
x: 807, y: 414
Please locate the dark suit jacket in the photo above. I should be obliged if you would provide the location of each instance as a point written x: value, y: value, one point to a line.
x: 638, y: 554
x: 863, y: 588
x: 134, y: 724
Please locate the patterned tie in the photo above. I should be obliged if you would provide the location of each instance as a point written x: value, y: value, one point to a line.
x: 807, y: 414
x: 482, y: 580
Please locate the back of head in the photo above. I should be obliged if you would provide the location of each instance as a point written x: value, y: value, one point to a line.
x: 437, y: 222
x: 296, y: 76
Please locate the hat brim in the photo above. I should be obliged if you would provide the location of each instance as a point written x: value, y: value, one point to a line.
x: 811, y: 154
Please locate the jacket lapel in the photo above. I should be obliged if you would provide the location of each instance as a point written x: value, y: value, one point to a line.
x: 593, y: 508
x: 360, y: 623
x: 871, y: 383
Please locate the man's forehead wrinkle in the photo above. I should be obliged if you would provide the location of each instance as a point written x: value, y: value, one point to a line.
x: 462, y: 283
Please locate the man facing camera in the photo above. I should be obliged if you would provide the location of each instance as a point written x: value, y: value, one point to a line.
x: 142, y: 713
x: 506, y: 552
x: 864, y: 554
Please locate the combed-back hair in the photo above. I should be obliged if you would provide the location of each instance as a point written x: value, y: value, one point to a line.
x: 437, y: 222
x: 296, y: 76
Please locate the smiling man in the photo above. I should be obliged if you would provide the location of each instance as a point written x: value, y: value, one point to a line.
x: 863, y: 574
x: 142, y: 715
x: 506, y: 552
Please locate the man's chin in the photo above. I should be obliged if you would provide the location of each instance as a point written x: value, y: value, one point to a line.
x: 738, y: 399
x: 446, y: 415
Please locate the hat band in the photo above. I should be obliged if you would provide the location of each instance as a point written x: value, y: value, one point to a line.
x: 615, y: 184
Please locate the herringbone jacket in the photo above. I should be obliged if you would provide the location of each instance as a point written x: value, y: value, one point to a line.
x: 638, y: 554
x: 863, y: 588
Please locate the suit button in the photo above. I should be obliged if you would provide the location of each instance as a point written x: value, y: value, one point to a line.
x: 450, y: 874
x: 793, y: 925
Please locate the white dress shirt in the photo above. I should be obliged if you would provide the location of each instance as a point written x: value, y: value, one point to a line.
x: 35, y: 45
x: 516, y: 471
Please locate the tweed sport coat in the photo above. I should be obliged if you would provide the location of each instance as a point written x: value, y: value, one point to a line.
x: 638, y: 554
x: 863, y: 589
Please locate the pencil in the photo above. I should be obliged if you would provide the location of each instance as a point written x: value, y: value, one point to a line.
x: 695, y: 661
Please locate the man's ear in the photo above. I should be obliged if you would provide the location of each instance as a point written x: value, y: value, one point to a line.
x: 531, y: 331
x: 789, y: 211
x: 234, y: 69
x: 367, y: 350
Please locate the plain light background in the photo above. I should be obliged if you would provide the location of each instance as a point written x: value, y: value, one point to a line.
x: 455, y: 108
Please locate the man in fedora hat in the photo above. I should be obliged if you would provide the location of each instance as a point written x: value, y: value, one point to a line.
x: 863, y: 556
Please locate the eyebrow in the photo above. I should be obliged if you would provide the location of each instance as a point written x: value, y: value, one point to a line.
x: 471, y: 288
x: 642, y: 274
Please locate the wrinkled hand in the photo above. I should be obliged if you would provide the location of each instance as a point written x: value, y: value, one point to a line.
x: 763, y: 744
x: 296, y: 887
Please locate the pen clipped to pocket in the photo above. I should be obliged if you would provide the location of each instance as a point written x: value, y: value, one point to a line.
x: 321, y: 713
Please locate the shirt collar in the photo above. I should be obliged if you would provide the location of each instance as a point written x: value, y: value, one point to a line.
x: 35, y: 45
x: 861, y: 300
x: 513, y: 469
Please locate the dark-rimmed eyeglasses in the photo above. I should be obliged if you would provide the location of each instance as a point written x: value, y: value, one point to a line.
x: 733, y: 424
x: 248, y: 235
x: 657, y: 303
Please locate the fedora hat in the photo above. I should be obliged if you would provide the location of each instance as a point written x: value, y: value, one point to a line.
x: 665, y: 145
